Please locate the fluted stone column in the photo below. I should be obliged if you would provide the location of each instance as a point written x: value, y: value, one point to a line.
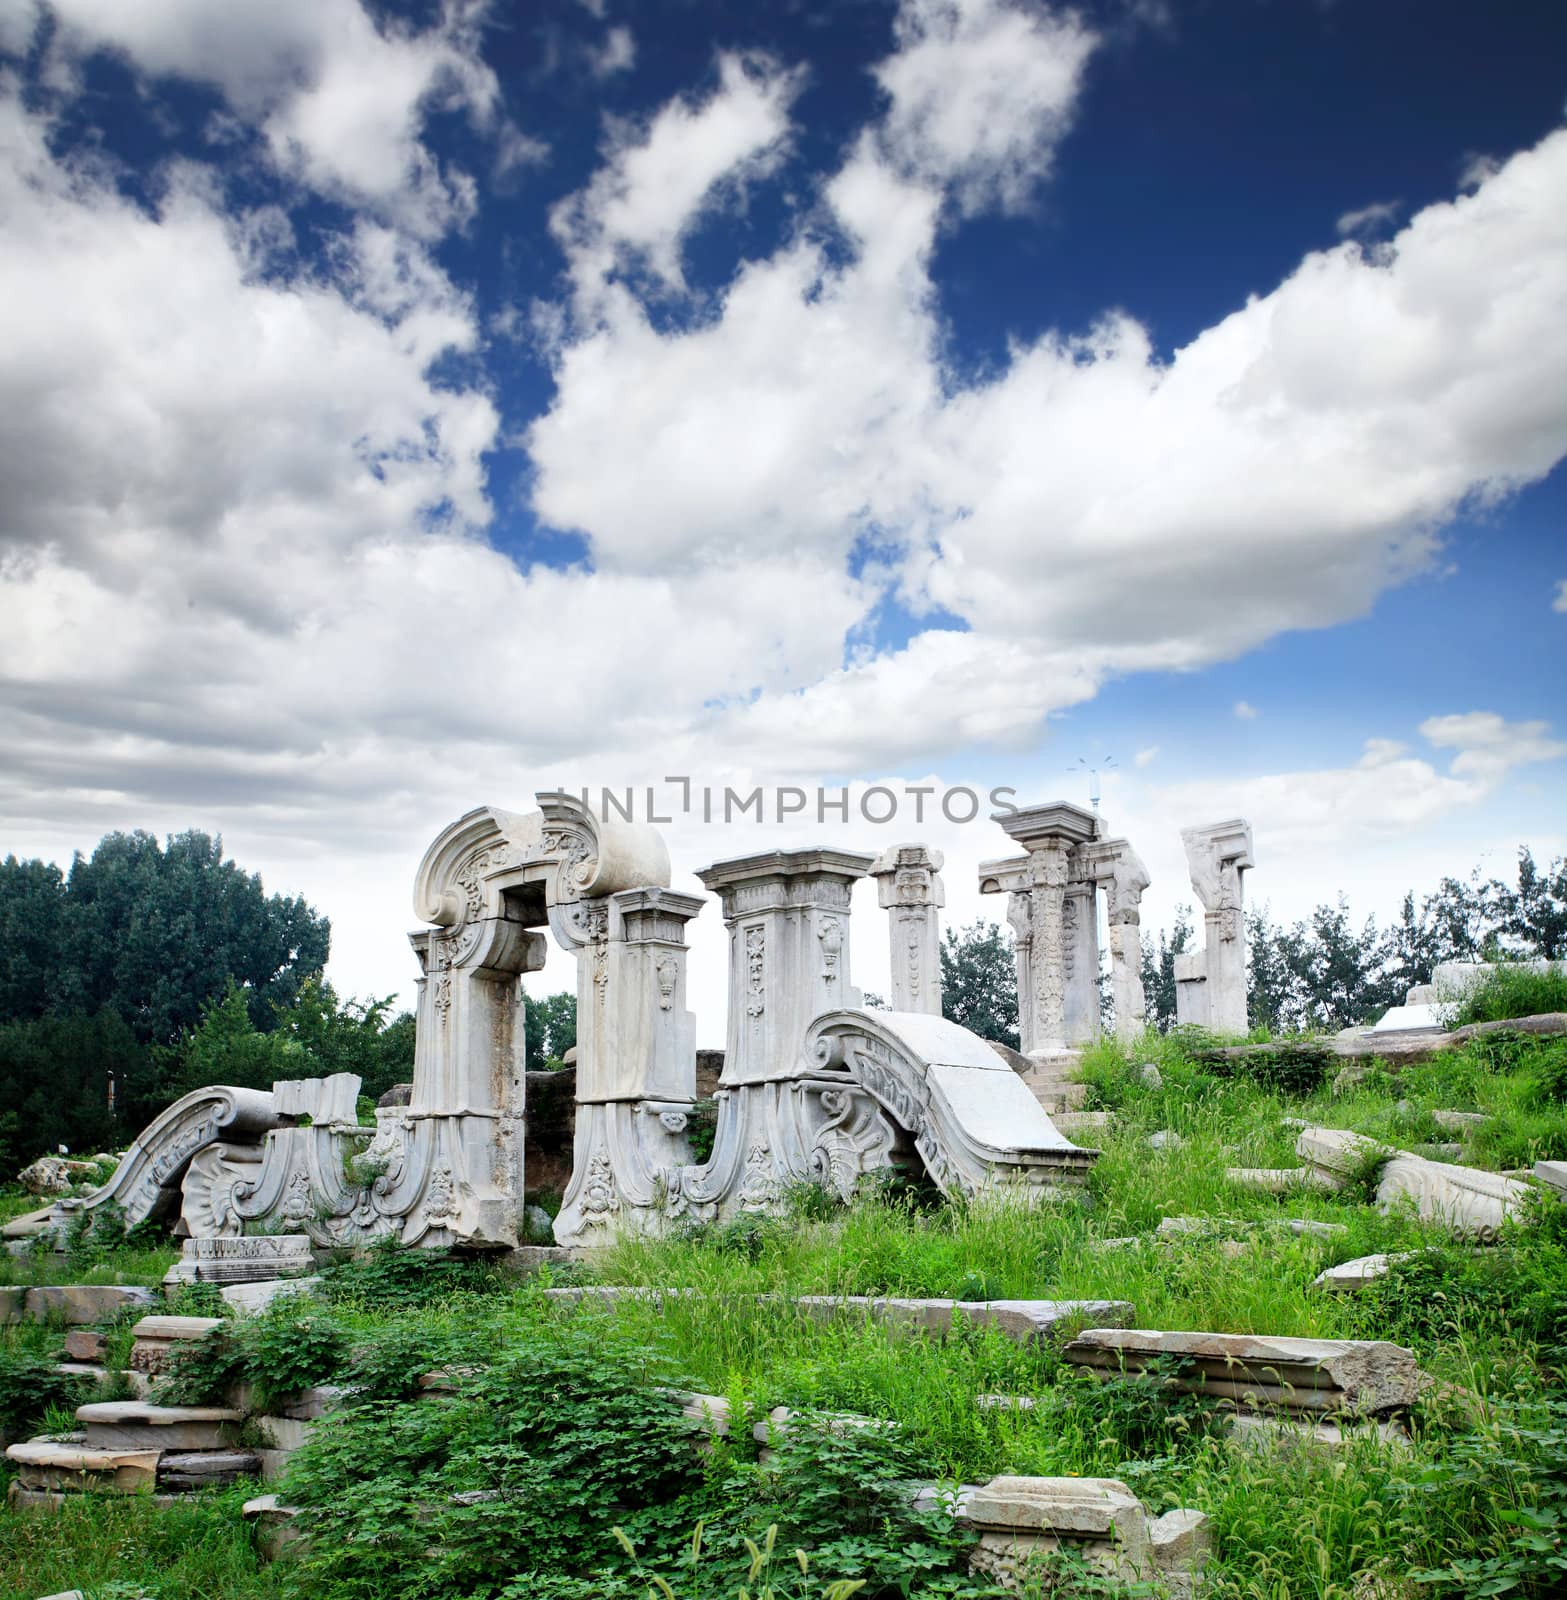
x: 909, y: 889
x: 1217, y: 854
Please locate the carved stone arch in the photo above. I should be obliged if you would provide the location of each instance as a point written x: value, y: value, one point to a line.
x: 974, y: 1122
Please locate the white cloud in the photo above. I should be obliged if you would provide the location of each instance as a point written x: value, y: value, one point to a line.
x: 1146, y: 757
x: 981, y: 92
x: 340, y: 99
x: 1246, y: 711
x: 1368, y: 220
x: 1560, y: 602
x: 618, y: 53
x: 1489, y: 746
x: 657, y: 180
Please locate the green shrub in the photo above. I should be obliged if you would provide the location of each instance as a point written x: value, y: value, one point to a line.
x: 30, y: 1387
x: 392, y: 1277
x: 1509, y: 990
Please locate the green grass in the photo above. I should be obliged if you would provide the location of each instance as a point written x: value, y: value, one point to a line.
x: 1484, y: 1472
x: 1509, y: 991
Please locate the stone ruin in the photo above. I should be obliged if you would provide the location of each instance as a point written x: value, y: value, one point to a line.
x: 815, y: 1087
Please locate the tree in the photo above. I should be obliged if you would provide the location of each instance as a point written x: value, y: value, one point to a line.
x: 551, y: 1028
x: 152, y: 932
x: 979, y: 982
x: 364, y: 1037
x: 1535, y: 913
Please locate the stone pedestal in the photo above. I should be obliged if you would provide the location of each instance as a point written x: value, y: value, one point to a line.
x: 1054, y: 924
x: 1191, y: 989
x: 1217, y: 854
x: 909, y: 889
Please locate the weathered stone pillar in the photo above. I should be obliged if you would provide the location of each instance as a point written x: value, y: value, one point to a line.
x: 788, y: 918
x: 1217, y: 855
x: 1191, y: 989
x: 1080, y: 912
x: 636, y: 1065
x: 1037, y: 888
x: 1120, y: 872
x: 909, y: 889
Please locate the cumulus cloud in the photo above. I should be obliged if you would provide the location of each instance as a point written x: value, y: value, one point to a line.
x: 1147, y: 756
x: 981, y: 92
x: 657, y: 180
x: 1489, y: 746
x: 339, y: 98
x: 618, y: 53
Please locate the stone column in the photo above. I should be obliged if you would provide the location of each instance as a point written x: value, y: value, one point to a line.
x: 1080, y: 929
x: 908, y: 887
x: 1217, y: 855
x: 636, y: 1065
x: 1037, y: 886
x: 1120, y: 872
x: 788, y: 918
x: 1191, y: 989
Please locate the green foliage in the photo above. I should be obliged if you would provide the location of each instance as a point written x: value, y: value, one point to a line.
x: 394, y: 1277
x: 550, y: 1022
x: 1290, y: 1066
x: 29, y: 1387
x: 1513, y: 991
x: 364, y: 1037
x: 979, y: 981
x: 277, y: 1354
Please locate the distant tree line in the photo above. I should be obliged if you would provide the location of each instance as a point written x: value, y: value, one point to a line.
x: 1325, y: 971
x: 149, y: 969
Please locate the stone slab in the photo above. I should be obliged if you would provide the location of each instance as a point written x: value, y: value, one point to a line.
x: 287, y: 1434
x: 188, y: 1470
x: 1553, y: 1174
x: 1459, y: 1121
x: 1348, y: 1276
x: 1281, y: 1180
x: 1353, y: 1376
x: 254, y: 1297
x: 258, y: 1259
x: 83, y: 1304
x: 1286, y: 1435
x: 1024, y: 1321
x: 134, y: 1424
x: 54, y: 1501
x: 1410, y: 1018
x: 84, y: 1344
x: 56, y: 1464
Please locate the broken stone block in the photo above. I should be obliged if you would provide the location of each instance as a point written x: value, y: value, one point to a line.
x: 781, y: 1420
x: 1359, y: 1377
x: 156, y: 1338
x: 1151, y: 1076
x: 311, y: 1404
x: 135, y: 1425
x: 78, y: 1304
x: 273, y: 1522
x: 60, y: 1464
x: 183, y: 1471
x: 1349, y: 1276
x: 1024, y: 1321
x: 1337, y: 1152
x: 84, y: 1344
x: 1165, y: 1139
x: 1553, y: 1174
x: 257, y: 1259
x: 1286, y: 1435
x: 256, y: 1297
x: 285, y: 1434
x: 1280, y: 1180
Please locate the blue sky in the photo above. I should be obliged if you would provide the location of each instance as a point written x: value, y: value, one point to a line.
x: 412, y: 406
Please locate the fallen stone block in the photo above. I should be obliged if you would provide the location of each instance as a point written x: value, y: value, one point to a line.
x: 1358, y: 1377
x: 1553, y: 1174
x: 72, y: 1465
x: 246, y: 1260
x: 184, y: 1471
x: 1082, y: 1121
x: 1340, y: 1153
x: 285, y: 1434
x: 133, y: 1425
x: 781, y: 1420
x: 710, y: 1411
x: 273, y: 1522
x: 84, y: 1344
x: 76, y: 1304
x: 1023, y: 1321
x: 1459, y: 1121
x: 1349, y: 1276
x: 255, y: 1297
x: 311, y: 1404
x: 1023, y: 1521
x: 1166, y: 1139
x: 157, y: 1338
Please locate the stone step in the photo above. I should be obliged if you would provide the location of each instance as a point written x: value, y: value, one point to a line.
x: 74, y: 1465
x: 1082, y: 1121
x: 181, y: 1471
x: 1057, y: 1094
x: 273, y: 1522
x: 134, y: 1424
x: 54, y: 1501
x: 1359, y: 1377
x: 157, y: 1338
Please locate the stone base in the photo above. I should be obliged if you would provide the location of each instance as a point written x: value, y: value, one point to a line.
x: 56, y: 1464
x: 135, y: 1425
x: 249, y: 1260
